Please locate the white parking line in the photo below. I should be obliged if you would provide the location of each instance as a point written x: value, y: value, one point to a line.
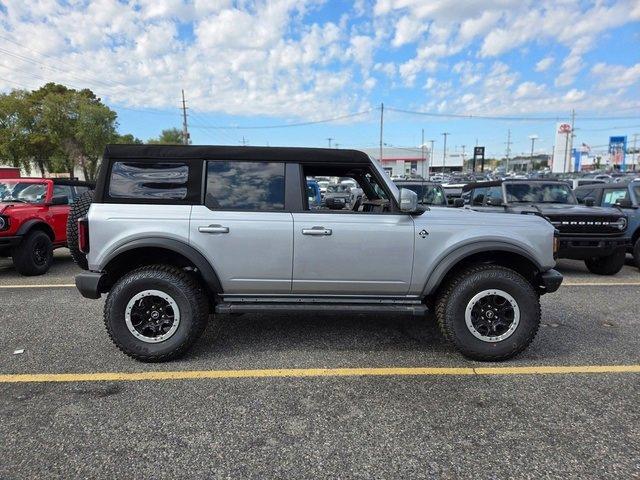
x: 46, y: 285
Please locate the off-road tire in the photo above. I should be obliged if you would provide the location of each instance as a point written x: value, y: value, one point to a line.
x: 636, y: 253
x: 79, y: 209
x: 189, y: 296
x: 454, y: 297
x: 609, y: 265
x: 24, y: 254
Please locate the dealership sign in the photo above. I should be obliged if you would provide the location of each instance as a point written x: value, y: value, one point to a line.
x: 617, y: 151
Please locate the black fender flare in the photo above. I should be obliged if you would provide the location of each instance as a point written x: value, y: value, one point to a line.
x: 198, y: 259
x: 29, y: 224
x: 460, y: 253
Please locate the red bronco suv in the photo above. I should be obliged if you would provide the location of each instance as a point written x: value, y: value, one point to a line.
x: 33, y: 219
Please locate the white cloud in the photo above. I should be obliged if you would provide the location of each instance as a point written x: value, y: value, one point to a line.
x: 544, y: 64
x: 616, y: 76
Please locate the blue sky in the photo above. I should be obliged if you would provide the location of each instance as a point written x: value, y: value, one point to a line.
x: 265, y: 63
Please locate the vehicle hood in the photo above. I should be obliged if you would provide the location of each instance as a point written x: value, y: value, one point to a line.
x: 559, y: 209
x: 7, y: 207
x: 471, y: 218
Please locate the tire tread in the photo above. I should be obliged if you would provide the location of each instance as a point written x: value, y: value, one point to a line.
x: 192, y: 290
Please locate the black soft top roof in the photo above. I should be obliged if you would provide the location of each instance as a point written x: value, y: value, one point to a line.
x: 599, y: 185
x: 73, y: 183
x: 222, y: 152
x: 497, y: 183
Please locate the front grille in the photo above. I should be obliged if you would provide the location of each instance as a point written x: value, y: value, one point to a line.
x: 591, y: 225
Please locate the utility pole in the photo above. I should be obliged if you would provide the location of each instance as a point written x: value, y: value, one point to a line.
x: 635, y: 151
x: 244, y: 141
x: 381, y: 128
x: 422, y: 154
x: 444, y: 150
x: 508, y: 151
x: 533, y: 139
x: 185, y: 129
x: 463, y: 157
x: 329, y: 140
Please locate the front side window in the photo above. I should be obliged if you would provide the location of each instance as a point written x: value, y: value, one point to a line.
x: 494, y: 195
x: 478, y: 195
x: 584, y: 193
x: 63, y: 191
x: 612, y: 196
x: 22, y: 192
x: 149, y: 181
x: 237, y: 185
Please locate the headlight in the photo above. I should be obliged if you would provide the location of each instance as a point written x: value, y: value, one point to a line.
x: 622, y: 223
x: 4, y: 223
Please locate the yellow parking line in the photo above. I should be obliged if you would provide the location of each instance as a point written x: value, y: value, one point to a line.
x: 313, y: 372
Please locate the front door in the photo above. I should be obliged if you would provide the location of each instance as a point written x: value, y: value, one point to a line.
x: 352, y: 253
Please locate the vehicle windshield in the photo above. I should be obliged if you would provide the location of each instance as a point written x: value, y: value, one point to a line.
x: 23, y: 192
x: 427, y: 194
x: 539, y: 193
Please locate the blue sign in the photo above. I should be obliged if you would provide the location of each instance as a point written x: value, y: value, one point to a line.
x: 617, y: 151
x: 577, y: 158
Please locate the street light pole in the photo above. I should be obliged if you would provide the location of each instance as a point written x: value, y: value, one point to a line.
x: 444, y: 151
x: 533, y: 139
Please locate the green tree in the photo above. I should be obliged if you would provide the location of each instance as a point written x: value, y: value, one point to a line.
x: 13, y: 136
x: 170, y: 136
x: 127, y: 139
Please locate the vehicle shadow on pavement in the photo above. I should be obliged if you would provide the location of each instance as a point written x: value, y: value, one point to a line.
x: 62, y: 268
x: 330, y: 332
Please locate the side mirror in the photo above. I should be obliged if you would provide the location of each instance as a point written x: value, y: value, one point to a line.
x: 589, y: 202
x: 458, y: 202
x: 408, y: 200
x: 60, y: 200
x: 494, y: 202
x: 624, y: 203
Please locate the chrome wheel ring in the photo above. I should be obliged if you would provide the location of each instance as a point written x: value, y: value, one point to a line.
x: 152, y: 316
x: 492, y: 315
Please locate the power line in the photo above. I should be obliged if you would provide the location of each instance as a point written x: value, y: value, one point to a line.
x: 285, y: 125
x: 504, y: 118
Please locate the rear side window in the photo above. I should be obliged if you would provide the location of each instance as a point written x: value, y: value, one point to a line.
x: 149, y: 181
x: 254, y: 186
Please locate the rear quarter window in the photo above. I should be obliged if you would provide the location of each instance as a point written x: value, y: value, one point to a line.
x: 149, y: 181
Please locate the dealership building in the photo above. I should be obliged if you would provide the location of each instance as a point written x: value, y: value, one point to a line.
x: 409, y: 162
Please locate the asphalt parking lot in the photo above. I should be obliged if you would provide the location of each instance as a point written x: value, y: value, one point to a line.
x: 263, y: 398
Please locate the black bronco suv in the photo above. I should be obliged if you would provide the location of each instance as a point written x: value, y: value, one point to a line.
x: 596, y: 235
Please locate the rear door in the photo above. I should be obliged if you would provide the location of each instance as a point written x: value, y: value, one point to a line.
x: 243, y: 228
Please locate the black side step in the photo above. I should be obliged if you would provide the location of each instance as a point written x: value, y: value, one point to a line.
x: 417, y: 309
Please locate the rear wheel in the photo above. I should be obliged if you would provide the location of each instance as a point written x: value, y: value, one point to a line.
x: 609, y: 265
x: 155, y: 313
x: 34, y: 254
x: 79, y: 209
x: 489, y: 313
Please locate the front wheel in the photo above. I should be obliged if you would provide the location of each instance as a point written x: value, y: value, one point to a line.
x: 636, y: 252
x: 609, y: 265
x: 489, y: 313
x: 155, y: 313
x: 34, y: 254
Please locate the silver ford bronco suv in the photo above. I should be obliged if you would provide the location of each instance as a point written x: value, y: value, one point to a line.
x: 176, y: 234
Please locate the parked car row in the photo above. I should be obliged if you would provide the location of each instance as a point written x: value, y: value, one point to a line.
x: 598, y: 222
x: 33, y: 219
